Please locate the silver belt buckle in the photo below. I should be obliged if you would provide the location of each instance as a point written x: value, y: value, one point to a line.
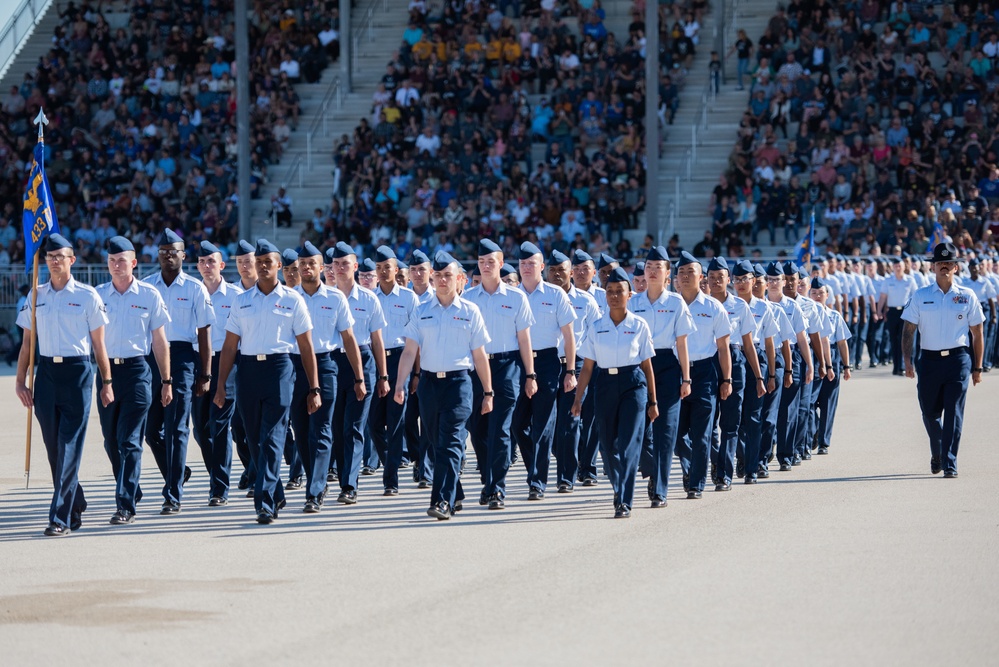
x: 491, y: 356
x: 388, y: 353
x: 534, y: 354
x: 56, y: 360
x: 118, y: 361
x: 612, y: 371
x: 440, y: 376
x: 261, y: 357
x: 944, y: 353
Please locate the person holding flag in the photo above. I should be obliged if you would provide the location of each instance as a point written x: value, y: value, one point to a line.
x: 805, y: 249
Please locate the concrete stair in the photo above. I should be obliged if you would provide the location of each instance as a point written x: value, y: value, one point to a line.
x: 33, y: 46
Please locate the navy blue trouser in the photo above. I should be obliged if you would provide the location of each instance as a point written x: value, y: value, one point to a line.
x: 856, y: 342
x: 787, y: 413
x: 534, y: 418
x: 490, y: 433
x: 666, y: 370
x: 827, y: 402
x: 249, y: 476
x: 894, y: 323
x: 942, y: 388
x: 751, y: 424
x: 265, y: 391
x: 420, y: 451
x: 387, y: 422
x: 62, y: 406
x: 210, y: 425
x: 621, y: 422
x: 697, y: 419
x: 445, y: 406
x: 769, y: 416
x: 874, y: 335
x: 167, y: 430
x: 314, y: 433
x: 567, y: 431
x: 123, y: 423
x: 350, y: 417
x: 728, y: 417
x: 589, y: 438
x: 990, y: 339
x: 807, y: 421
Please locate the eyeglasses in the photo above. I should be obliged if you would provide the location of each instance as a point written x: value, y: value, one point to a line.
x: 742, y: 280
x: 57, y: 258
x: 171, y: 252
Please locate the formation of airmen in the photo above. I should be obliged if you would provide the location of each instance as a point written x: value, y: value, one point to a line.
x: 336, y: 367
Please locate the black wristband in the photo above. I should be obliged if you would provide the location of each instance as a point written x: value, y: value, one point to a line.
x: 383, y: 377
x: 490, y: 394
x: 977, y: 370
x: 359, y: 381
x: 651, y: 404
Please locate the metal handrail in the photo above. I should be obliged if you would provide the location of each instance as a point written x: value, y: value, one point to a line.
x: 19, y: 26
x: 333, y: 97
x: 364, y: 28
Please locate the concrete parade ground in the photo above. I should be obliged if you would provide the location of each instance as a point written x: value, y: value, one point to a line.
x: 861, y: 557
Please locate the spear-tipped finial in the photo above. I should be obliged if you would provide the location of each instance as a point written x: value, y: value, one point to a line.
x: 41, y: 121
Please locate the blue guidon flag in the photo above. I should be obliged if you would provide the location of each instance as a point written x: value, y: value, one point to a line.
x: 39, y: 209
x: 805, y: 249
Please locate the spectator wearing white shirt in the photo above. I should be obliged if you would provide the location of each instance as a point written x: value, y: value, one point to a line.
x: 428, y: 141
x: 290, y: 67
x: 406, y: 94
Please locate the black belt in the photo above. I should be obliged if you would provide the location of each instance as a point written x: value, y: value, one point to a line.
x: 63, y: 360
x: 121, y: 361
x: 440, y: 375
x: 896, y: 307
x: 702, y: 362
x: 362, y: 348
x: 547, y: 352
x: 394, y: 350
x: 181, y: 344
x: 265, y: 357
x: 512, y: 354
x: 943, y: 353
x: 318, y: 355
x: 620, y: 370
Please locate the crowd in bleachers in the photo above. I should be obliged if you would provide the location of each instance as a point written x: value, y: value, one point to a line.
x: 877, y: 118
x: 140, y: 99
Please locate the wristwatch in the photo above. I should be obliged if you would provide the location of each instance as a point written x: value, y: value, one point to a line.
x: 206, y: 378
x: 651, y: 404
x: 686, y: 382
x: 973, y: 370
x: 532, y: 376
x: 359, y: 381
x: 490, y: 394
x: 166, y: 381
x: 727, y: 381
x: 315, y: 391
x: 570, y: 371
x: 106, y: 381
x: 383, y: 377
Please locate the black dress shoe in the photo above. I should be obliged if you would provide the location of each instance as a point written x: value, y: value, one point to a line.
x: 265, y: 518
x: 658, y: 502
x: 823, y: 451
x: 483, y: 498
x: 564, y: 488
x: 423, y: 484
x: 367, y: 471
x: 391, y: 492
x: 807, y: 456
x: 55, y: 530
x: 441, y: 511
x: 169, y: 508
x: 693, y: 495
x: 311, y: 507
x: 496, y: 502
x: 724, y: 486
x: 348, y: 497
x: 244, y: 483
x: 249, y: 494
x: 331, y: 476
x: 217, y: 501
x: 590, y: 481
x: 950, y: 474
x: 122, y: 518
x: 796, y: 461
x: 763, y: 474
x: 187, y: 475
x: 935, y: 467
x: 784, y: 467
x: 622, y: 512
x: 750, y: 479
x: 457, y: 507
x: 295, y: 484
x: 536, y: 494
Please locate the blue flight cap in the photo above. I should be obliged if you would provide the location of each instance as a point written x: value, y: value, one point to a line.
x: 528, y: 249
x: 775, y: 269
x: 718, y: 264
x: 442, y: 260
x: 367, y: 266
x: 265, y: 247
x: 476, y: 272
x: 557, y: 257
x: 605, y: 260
x: 401, y: 264
x: 289, y: 256
x: 657, y: 254
x: 244, y: 248
x: 169, y: 237
x: 818, y: 283
x: 618, y: 275
x: 309, y: 250
x: 117, y: 244
x: 973, y: 262
x: 341, y: 249
x: 685, y: 259
x: 57, y: 242
x: 506, y: 270
x: 639, y: 270
x: 803, y: 272
x: 384, y: 254
x: 759, y: 271
x: 743, y: 268
x: 580, y: 257
x: 420, y: 257
x: 790, y: 269
x: 205, y: 249
x: 488, y: 247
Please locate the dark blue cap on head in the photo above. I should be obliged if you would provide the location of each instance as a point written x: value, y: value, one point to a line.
x: 818, y: 283
x: 117, y: 244
x: 743, y: 268
x: 605, y: 260
x: 244, y: 248
x: 309, y: 250
x: 973, y: 262
x: 367, y: 266
x: 775, y: 269
x: 341, y: 249
x: 420, y: 257
x: 803, y: 272
x: 790, y: 269
x: 718, y: 264
x: 840, y: 258
x: 487, y: 247
x: 57, y: 242
x: 206, y: 248
x: 618, y: 275
x: 685, y: 259
x: 580, y: 257
x: 639, y: 269
x: 442, y: 260
x: 289, y: 256
x: 475, y: 270
x: 265, y: 247
x: 169, y: 237
x: 528, y: 249
x: 384, y: 254
x: 657, y: 254
x: 945, y: 252
x: 759, y: 271
x: 557, y: 257
x: 401, y: 264
x: 507, y: 270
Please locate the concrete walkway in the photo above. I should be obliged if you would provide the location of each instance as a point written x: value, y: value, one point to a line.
x: 860, y: 557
